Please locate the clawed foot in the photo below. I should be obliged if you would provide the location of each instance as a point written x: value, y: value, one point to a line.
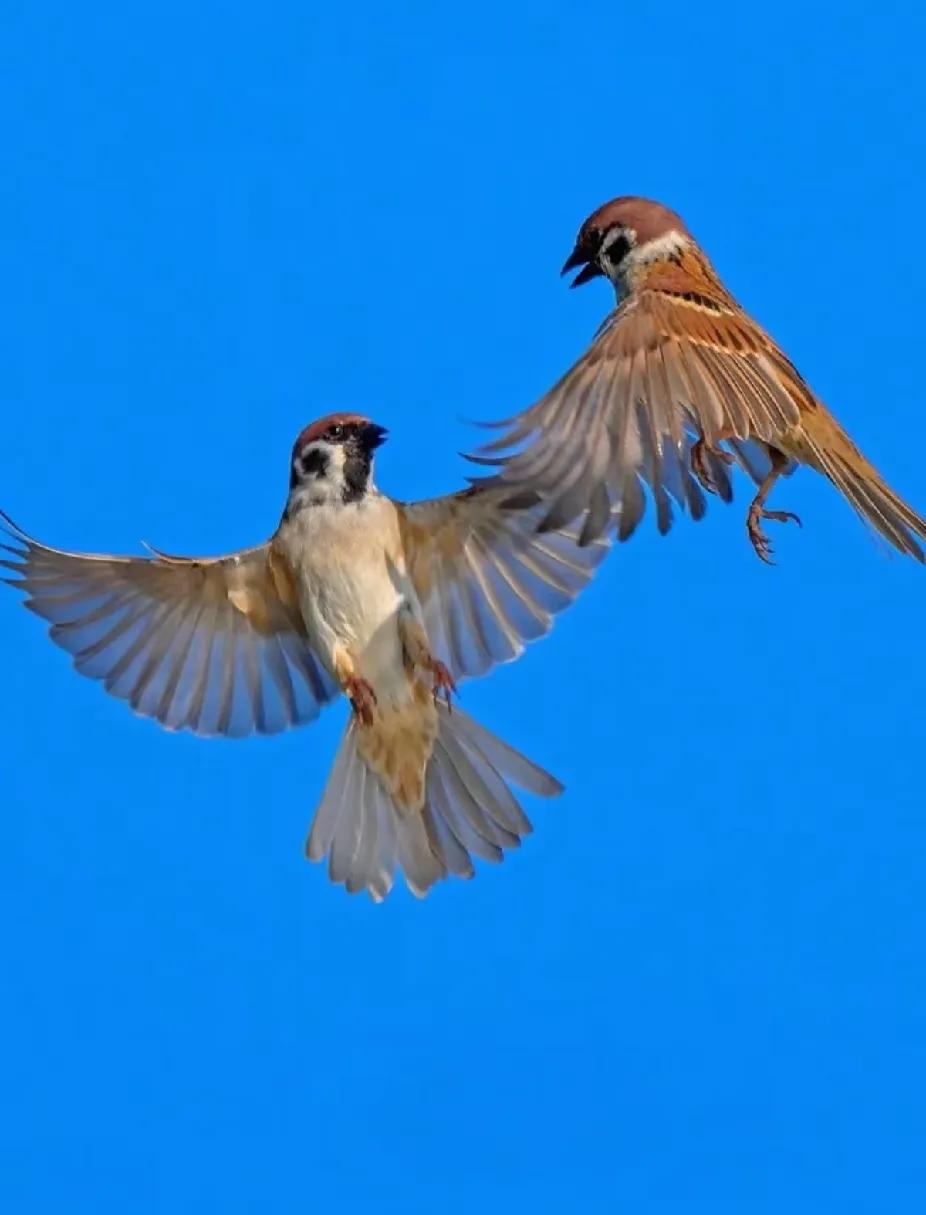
x: 700, y: 465
x: 362, y: 699
x: 443, y: 681
x: 761, y: 542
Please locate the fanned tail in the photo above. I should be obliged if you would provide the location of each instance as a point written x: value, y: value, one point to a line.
x: 469, y: 811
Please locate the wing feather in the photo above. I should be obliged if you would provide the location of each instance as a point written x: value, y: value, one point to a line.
x: 212, y: 645
x: 487, y: 580
x: 669, y: 366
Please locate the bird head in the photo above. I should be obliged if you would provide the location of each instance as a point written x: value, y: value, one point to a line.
x: 333, y: 457
x: 623, y: 234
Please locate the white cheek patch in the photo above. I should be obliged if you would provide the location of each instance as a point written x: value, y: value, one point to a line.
x: 327, y: 483
x: 332, y: 461
x: 666, y: 245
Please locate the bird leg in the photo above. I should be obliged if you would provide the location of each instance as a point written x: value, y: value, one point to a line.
x: 418, y: 654
x: 700, y: 465
x: 757, y: 511
x: 357, y: 689
x: 362, y: 699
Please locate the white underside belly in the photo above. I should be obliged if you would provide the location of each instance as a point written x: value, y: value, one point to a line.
x: 350, y: 593
x: 357, y: 612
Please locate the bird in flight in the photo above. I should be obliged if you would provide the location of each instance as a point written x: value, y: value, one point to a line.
x: 355, y: 593
x: 679, y: 380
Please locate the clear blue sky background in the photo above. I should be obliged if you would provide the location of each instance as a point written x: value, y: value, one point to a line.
x: 699, y: 986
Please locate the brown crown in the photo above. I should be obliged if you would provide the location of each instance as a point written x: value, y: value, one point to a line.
x: 648, y: 219
x: 316, y: 429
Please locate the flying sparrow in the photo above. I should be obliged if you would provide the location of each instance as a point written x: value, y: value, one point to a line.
x: 678, y: 379
x: 389, y: 603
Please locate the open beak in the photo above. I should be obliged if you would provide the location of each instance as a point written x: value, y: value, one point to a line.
x: 374, y: 436
x: 581, y: 256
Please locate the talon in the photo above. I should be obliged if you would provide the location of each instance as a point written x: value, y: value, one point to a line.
x: 782, y: 516
x: 761, y: 542
x: 762, y: 545
x: 362, y: 699
x: 443, y: 682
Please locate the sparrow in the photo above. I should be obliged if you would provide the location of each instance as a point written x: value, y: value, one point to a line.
x: 389, y: 603
x: 679, y: 379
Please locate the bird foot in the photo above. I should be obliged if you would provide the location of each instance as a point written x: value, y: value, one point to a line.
x: 362, y: 699
x: 700, y: 465
x: 761, y: 542
x: 443, y: 681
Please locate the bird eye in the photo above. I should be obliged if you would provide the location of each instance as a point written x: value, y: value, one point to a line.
x: 336, y: 431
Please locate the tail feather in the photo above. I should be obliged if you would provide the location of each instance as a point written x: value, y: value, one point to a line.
x: 366, y: 842
x: 375, y: 864
x: 469, y: 810
x: 349, y: 825
x: 418, y: 854
x: 465, y: 818
x: 501, y: 804
x: 509, y: 763
x: 505, y: 821
x: 328, y: 814
x: 451, y: 844
x: 869, y: 494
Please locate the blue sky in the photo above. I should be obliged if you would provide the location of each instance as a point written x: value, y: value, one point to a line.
x: 699, y: 986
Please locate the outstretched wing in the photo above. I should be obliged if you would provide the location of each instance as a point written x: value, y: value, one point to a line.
x: 212, y: 645
x: 668, y: 367
x: 487, y: 581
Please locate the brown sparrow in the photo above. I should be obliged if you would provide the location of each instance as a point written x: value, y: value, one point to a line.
x: 676, y: 373
x: 390, y: 603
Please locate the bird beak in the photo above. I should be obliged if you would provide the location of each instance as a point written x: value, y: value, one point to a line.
x: 374, y: 436
x: 581, y: 256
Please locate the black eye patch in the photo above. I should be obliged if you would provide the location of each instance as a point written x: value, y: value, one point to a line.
x: 314, y: 462
x: 617, y: 250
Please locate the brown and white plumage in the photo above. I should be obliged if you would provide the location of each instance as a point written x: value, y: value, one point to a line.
x: 212, y: 645
x: 678, y: 380
x: 389, y: 603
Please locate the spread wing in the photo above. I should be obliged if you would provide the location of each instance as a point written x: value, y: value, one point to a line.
x: 487, y: 580
x: 212, y: 645
x: 667, y: 367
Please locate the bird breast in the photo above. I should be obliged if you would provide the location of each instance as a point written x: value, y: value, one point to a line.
x: 349, y: 568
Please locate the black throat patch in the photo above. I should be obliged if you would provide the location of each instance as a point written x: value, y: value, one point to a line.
x: 357, y: 463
